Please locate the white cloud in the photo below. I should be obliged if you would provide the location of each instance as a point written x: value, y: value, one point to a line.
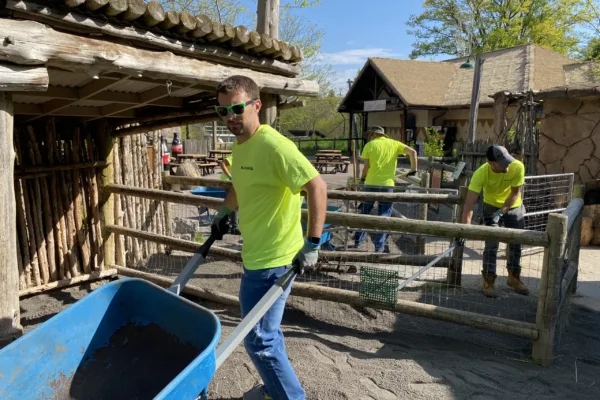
x: 340, y: 79
x: 354, y: 56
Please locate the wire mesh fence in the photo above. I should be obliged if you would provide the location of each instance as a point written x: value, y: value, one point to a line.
x: 413, y: 268
x: 545, y: 194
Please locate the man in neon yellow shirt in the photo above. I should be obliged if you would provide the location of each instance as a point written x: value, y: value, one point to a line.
x: 501, y: 180
x: 226, y: 176
x: 268, y: 175
x: 380, y: 156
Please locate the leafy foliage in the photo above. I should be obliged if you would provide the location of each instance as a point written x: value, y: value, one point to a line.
x: 453, y: 27
x: 434, y: 143
x: 319, y: 114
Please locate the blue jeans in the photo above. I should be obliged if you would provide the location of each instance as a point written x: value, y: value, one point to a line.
x: 264, y: 343
x: 384, y: 210
x: 515, y: 218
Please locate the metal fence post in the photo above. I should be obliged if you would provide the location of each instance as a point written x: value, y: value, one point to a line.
x: 547, y: 307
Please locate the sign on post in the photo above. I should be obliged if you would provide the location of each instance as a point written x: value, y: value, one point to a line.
x: 374, y: 105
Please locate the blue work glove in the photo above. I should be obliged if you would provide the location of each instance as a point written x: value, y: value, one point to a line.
x: 412, y: 173
x: 220, y: 223
x: 306, y: 259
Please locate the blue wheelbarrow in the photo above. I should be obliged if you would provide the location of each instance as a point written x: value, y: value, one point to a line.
x: 208, y: 192
x: 129, y: 339
x: 327, y: 229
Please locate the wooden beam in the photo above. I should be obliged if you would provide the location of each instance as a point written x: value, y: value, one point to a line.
x: 443, y: 229
x: 36, y: 44
x: 23, y: 78
x: 10, y: 325
x: 173, y: 243
x: 66, y: 107
x: 61, y: 108
x: 75, y: 22
x: 94, y: 276
x: 158, y: 95
x: 398, y: 197
x: 164, y: 124
x: 188, y: 289
x: 61, y: 167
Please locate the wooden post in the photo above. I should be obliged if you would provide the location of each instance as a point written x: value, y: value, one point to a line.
x: 106, y: 200
x: 10, y: 324
x: 454, y: 273
x: 475, y: 99
x: 268, y: 23
x: 167, y: 210
x: 268, y: 111
x: 268, y: 18
x: 214, y: 135
x: 547, y: 308
x: 422, y: 214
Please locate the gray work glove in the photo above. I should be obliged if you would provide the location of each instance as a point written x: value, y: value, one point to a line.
x: 220, y: 223
x: 496, y: 216
x: 306, y: 259
x: 229, y: 176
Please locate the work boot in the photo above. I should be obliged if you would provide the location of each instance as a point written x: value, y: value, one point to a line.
x: 488, y: 285
x: 514, y: 281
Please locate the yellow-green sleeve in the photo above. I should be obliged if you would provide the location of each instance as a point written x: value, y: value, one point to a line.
x: 519, y: 178
x: 292, y: 167
x: 366, y: 151
x: 476, y: 184
x: 401, y: 147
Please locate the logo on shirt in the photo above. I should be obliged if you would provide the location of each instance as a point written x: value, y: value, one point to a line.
x: 247, y: 168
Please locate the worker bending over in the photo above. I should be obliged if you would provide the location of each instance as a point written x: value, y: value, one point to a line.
x: 226, y: 176
x: 268, y: 175
x: 380, y: 157
x: 501, y: 180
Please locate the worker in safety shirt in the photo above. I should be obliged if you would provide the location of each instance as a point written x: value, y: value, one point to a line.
x: 501, y: 180
x: 226, y: 176
x: 380, y: 157
x: 268, y: 176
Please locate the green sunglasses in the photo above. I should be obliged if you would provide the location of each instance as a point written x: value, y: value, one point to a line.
x: 235, y: 109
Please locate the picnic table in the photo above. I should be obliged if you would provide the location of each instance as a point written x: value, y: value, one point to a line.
x: 331, y: 161
x: 198, y: 157
x: 216, y: 153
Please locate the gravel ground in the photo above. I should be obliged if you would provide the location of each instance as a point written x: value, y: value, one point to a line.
x: 340, y: 352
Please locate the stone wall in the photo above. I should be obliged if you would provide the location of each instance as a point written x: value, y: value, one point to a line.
x: 570, y: 138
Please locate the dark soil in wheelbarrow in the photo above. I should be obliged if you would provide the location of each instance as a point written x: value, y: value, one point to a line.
x: 138, y: 362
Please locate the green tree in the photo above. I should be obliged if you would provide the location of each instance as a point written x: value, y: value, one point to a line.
x: 453, y: 27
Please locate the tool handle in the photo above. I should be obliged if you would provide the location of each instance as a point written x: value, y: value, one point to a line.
x: 258, y: 311
x: 192, y: 265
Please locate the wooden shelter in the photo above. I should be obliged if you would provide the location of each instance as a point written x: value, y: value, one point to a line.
x: 76, y: 78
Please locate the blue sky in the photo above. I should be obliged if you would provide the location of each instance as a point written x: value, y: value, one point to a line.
x: 357, y: 29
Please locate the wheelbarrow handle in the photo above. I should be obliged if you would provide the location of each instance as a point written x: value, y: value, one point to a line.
x: 258, y: 311
x: 191, y: 266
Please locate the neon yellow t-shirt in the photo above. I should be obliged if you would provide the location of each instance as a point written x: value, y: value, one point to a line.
x: 496, y: 186
x: 224, y: 177
x: 268, y: 175
x: 382, y: 154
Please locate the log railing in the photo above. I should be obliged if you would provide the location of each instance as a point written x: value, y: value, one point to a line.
x: 556, y: 280
x: 433, y: 198
x: 444, y: 229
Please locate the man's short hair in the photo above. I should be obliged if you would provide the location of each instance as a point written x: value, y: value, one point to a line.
x: 237, y: 83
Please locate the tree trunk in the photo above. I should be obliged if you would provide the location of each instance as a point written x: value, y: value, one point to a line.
x: 10, y: 324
